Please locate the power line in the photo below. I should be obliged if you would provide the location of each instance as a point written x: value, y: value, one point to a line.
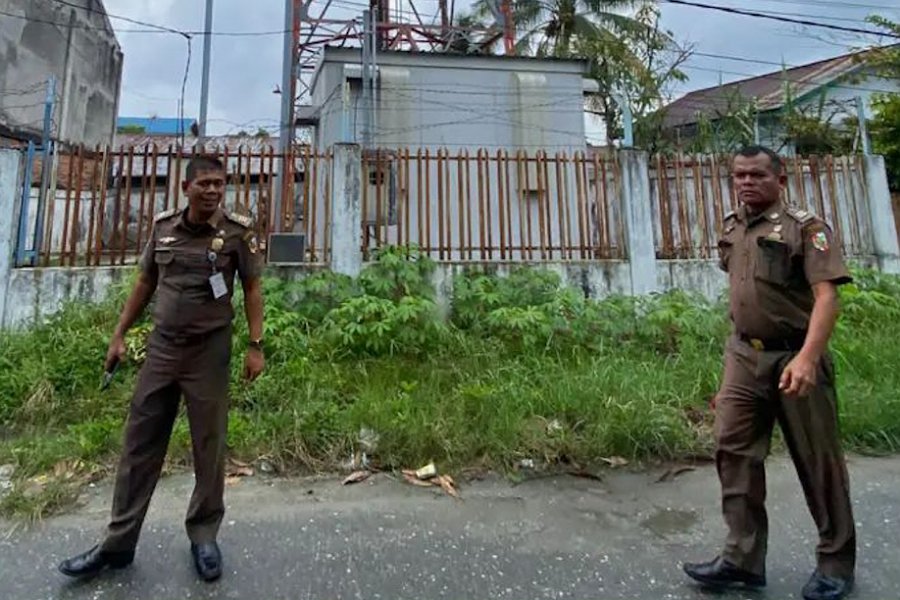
x: 154, y: 28
x: 820, y: 17
x: 827, y: 3
x: 780, y: 76
x: 103, y: 12
x: 187, y: 68
x: 67, y: 26
x: 762, y: 15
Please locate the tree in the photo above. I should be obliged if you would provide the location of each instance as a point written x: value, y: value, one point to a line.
x: 885, y: 127
x: 885, y: 59
x: 827, y: 127
x: 628, y: 54
x: 730, y: 127
x: 885, y: 130
x: 640, y: 65
x: 131, y: 129
x: 551, y: 27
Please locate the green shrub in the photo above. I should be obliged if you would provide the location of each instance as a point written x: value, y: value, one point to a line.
x: 523, y: 368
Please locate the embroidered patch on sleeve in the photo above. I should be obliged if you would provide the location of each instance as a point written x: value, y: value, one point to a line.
x: 820, y: 241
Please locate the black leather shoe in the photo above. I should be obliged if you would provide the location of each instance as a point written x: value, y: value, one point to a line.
x: 93, y: 561
x: 721, y: 573
x: 822, y: 587
x: 207, y: 560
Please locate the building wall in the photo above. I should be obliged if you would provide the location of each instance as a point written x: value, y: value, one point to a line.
x: 434, y: 101
x: 839, y: 104
x: 462, y: 104
x: 81, y: 52
x: 866, y: 87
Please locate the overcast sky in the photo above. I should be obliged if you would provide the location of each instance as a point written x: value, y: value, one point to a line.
x: 246, y: 70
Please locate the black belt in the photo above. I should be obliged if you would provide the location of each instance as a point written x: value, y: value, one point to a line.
x: 791, y: 344
x: 177, y: 339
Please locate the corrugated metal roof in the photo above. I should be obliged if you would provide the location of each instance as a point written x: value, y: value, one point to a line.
x: 239, y: 148
x: 768, y: 89
x: 213, y: 142
x: 157, y: 125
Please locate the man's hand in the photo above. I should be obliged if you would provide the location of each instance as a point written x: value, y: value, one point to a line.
x: 254, y: 364
x: 799, y: 377
x: 115, y: 353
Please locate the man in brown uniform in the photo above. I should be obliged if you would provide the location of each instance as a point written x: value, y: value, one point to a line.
x: 783, y: 268
x: 191, y: 258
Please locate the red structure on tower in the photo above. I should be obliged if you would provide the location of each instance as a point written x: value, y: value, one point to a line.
x: 399, y: 25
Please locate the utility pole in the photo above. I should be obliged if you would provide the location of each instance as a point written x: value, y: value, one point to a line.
x: 204, y: 88
x: 47, y: 164
x: 367, y: 50
x: 863, y: 126
x: 286, y: 137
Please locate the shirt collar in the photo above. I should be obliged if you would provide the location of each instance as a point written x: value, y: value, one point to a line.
x: 773, y: 214
x: 213, y: 221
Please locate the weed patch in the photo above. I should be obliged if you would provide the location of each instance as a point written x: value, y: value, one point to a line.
x: 523, y: 369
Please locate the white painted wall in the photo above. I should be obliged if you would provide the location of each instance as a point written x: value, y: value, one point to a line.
x: 433, y: 101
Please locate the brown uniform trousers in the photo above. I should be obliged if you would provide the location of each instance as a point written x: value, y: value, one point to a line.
x: 773, y: 259
x: 748, y: 405
x: 199, y: 369
x: 188, y: 354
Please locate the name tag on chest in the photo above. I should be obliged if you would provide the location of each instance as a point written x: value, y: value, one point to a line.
x: 217, y: 283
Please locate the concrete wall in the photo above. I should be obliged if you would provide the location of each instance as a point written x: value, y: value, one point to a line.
x: 79, y: 48
x: 32, y: 294
x: 35, y: 294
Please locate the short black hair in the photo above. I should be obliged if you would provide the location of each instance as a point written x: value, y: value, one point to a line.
x: 756, y: 150
x: 202, y: 163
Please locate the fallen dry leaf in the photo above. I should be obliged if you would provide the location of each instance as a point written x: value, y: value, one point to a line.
x: 410, y: 477
x: 673, y: 473
x: 585, y: 474
x: 447, y: 484
x: 237, y: 468
x: 356, y: 477
x: 615, y: 461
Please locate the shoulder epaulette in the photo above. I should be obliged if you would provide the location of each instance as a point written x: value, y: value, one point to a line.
x: 165, y: 215
x: 241, y: 220
x: 800, y: 215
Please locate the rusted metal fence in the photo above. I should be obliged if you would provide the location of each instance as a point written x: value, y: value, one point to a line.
x: 691, y: 195
x: 493, y: 206
x: 101, y: 202
x: 467, y: 206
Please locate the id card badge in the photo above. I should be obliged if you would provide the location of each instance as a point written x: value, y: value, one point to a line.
x: 217, y: 282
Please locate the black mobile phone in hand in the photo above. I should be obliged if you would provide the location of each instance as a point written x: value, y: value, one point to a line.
x: 108, y: 375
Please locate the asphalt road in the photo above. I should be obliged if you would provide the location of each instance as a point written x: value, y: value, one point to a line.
x: 554, y: 537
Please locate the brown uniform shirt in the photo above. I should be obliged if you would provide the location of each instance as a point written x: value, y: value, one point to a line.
x: 772, y: 260
x: 179, y: 255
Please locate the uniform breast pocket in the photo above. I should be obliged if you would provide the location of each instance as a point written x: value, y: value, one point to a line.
x: 773, y: 261
x: 163, y: 258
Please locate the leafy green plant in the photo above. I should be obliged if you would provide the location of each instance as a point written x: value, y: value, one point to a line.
x: 524, y: 368
x: 376, y: 326
x: 398, y: 272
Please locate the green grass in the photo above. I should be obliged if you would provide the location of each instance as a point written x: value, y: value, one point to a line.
x: 522, y: 369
